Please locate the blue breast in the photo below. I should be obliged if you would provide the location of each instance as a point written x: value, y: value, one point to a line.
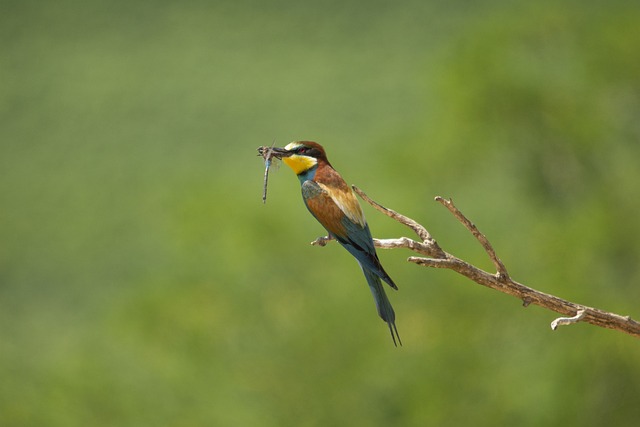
x: 308, y: 174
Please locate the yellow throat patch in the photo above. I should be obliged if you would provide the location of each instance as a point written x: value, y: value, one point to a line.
x: 299, y: 164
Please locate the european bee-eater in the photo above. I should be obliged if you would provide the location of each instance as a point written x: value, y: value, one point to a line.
x: 332, y: 202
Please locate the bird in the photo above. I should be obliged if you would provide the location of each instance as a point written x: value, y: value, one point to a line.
x: 334, y: 205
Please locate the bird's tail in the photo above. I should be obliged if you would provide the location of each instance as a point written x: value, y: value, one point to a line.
x: 385, y: 311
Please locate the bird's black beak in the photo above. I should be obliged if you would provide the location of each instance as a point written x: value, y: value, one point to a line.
x: 269, y: 152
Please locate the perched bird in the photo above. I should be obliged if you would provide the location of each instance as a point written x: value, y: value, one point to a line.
x: 332, y: 202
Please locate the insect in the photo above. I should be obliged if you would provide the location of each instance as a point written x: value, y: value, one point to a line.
x: 268, y: 155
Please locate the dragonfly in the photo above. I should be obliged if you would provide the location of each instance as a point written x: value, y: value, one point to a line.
x: 268, y: 155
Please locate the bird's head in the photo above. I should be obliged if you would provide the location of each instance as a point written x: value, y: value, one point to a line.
x: 301, y: 156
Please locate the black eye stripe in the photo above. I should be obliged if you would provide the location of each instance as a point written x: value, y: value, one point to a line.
x: 306, y: 151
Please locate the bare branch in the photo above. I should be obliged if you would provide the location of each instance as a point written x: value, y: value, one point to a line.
x: 417, y: 228
x: 500, y: 281
x: 448, y: 203
x: 407, y: 243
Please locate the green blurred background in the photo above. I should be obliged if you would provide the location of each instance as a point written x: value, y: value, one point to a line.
x: 144, y: 283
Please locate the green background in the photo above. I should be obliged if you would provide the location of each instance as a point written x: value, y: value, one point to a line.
x: 144, y: 283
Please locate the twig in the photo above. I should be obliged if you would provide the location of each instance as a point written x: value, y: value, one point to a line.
x: 448, y: 203
x: 500, y: 281
x: 560, y: 321
x: 422, y: 232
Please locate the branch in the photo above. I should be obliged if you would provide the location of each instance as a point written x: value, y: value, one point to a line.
x: 500, y: 281
x: 502, y: 270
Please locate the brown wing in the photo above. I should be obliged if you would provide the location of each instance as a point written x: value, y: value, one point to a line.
x: 323, y: 208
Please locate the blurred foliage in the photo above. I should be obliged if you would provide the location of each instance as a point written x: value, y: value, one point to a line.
x: 142, y: 282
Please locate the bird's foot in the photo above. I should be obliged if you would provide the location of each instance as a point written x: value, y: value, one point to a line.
x: 321, y: 241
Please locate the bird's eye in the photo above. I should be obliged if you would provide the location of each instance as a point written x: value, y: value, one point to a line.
x: 302, y: 150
